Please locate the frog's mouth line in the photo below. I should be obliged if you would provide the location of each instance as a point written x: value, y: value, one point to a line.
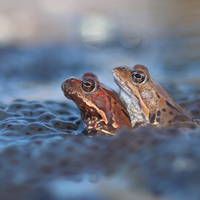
x: 67, y: 96
x: 125, y: 89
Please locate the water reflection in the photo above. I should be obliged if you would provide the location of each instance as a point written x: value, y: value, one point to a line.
x: 5, y: 29
x: 129, y: 37
x: 95, y: 178
x: 164, y: 36
x: 95, y: 30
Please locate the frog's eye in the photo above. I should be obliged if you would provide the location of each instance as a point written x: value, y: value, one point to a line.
x: 88, y: 85
x: 138, y: 77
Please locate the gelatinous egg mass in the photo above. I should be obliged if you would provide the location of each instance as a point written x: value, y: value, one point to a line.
x: 44, y: 155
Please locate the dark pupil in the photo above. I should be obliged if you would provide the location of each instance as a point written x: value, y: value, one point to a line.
x: 138, y: 76
x: 88, y: 85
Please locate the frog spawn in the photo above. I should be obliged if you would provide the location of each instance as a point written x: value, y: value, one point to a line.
x: 42, y: 158
x: 25, y: 119
x: 153, y: 154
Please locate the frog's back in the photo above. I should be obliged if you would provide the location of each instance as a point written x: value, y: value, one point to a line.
x: 169, y: 101
x: 167, y: 110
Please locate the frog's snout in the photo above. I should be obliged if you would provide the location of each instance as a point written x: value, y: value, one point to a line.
x: 67, y: 84
x: 64, y: 88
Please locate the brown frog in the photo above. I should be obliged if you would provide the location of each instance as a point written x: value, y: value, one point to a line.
x: 100, y: 107
x: 146, y: 101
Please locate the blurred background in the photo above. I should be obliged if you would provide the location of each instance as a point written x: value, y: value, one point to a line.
x: 43, y: 42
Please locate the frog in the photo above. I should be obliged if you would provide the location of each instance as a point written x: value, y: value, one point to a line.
x: 147, y: 102
x: 100, y: 107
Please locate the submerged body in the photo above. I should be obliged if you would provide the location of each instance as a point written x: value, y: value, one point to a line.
x: 146, y: 101
x: 100, y: 107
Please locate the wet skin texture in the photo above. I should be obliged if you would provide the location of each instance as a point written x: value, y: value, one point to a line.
x: 146, y: 101
x: 100, y: 107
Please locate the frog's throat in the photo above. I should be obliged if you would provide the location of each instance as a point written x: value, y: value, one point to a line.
x: 131, y: 102
x: 133, y: 107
